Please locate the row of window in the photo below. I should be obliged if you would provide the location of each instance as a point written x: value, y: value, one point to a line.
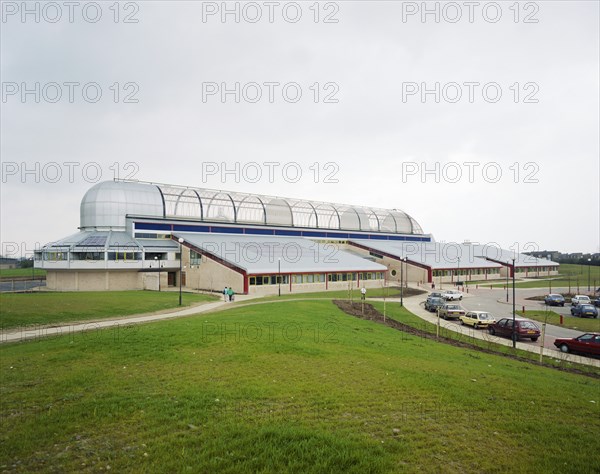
x: 535, y: 269
x: 260, y: 280
x: 99, y: 256
x: 470, y: 271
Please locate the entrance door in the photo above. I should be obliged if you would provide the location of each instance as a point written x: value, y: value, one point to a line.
x: 171, y: 279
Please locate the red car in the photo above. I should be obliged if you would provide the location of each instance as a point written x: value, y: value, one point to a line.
x: 588, y: 343
x: 525, y: 329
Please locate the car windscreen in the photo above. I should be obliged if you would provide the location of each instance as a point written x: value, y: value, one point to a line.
x: 587, y: 307
x: 485, y: 316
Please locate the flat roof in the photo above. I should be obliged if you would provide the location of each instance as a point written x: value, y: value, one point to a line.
x: 494, y: 252
x: 264, y: 254
x: 431, y: 254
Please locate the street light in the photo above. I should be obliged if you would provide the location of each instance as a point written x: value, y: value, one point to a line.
x: 157, y: 260
x: 507, y: 272
x: 589, y: 272
x: 180, y: 264
x: 33, y: 271
x: 514, y: 340
x: 401, y: 282
x: 279, y: 274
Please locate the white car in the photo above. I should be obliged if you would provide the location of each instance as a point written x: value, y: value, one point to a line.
x: 580, y: 299
x: 452, y: 295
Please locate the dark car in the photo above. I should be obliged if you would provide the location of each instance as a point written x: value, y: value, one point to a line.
x: 432, y: 304
x: 596, y: 302
x: 588, y: 343
x: 584, y: 311
x: 524, y: 329
x: 554, y: 300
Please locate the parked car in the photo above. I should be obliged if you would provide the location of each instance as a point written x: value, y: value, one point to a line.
x: 435, y: 294
x: 433, y: 304
x: 584, y: 311
x: 580, y: 299
x: 588, y: 343
x: 596, y: 302
x: 554, y: 299
x: 452, y: 295
x: 524, y: 329
x: 451, y: 311
x: 477, y: 319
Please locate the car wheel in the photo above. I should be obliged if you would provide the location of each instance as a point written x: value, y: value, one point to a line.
x: 462, y: 323
x: 534, y: 339
x: 475, y: 326
x: 564, y: 348
x: 492, y: 331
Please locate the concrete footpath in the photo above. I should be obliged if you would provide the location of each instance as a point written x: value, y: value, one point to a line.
x: 37, y: 331
x: 412, y: 303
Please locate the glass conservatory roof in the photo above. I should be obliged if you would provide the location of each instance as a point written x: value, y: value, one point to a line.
x: 234, y: 207
x: 106, y: 204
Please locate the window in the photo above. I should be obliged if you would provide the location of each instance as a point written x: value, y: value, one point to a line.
x: 195, y: 258
x: 123, y: 256
x: 252, y: 280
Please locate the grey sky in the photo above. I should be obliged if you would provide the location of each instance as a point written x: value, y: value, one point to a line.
x: 378, y: 138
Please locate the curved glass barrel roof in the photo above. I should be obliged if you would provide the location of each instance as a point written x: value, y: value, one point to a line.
x: 106, y: 205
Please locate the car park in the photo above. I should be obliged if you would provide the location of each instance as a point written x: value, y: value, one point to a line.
x: 477, y: 319
x: 588, y: 343
x: 433, y: 304
x: 580, y: 299
x: 554, y: 299
x: 452, y: 295
x: 584, y: 311
x: 451, y: 311
x: 524, y: 329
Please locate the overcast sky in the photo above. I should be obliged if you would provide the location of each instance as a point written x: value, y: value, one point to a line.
x: 503, y: 146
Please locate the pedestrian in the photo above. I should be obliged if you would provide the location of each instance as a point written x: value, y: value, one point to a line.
x: 230, y: 293
x: 225, y: 294
x: 363, y: 293
x: 433, y: 285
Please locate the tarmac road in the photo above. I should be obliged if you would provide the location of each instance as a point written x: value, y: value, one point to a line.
x: 494, y: 301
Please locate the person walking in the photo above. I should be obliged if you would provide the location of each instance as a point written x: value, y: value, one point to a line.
x: 363, y: 293
x: 225, y: 294
x: 230, y: 294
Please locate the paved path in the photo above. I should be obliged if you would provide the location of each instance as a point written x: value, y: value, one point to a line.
x: 472, y: 302
x: 412, y: 303
x: 39, y: 331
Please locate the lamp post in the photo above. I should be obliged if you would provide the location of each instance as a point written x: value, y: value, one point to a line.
x: 507, y: 272
x: 589, y: 272
x: 401, y: 282
x: 180, y: 266
x: 279, y: 274
x: 157, y: 260
x: 33, y: 272
x: 514, y: 340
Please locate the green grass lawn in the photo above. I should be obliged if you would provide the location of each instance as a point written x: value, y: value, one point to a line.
x: 580, y: 324
x: 286, y: 387
x: 22, y: 309
x: 21, y: 272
